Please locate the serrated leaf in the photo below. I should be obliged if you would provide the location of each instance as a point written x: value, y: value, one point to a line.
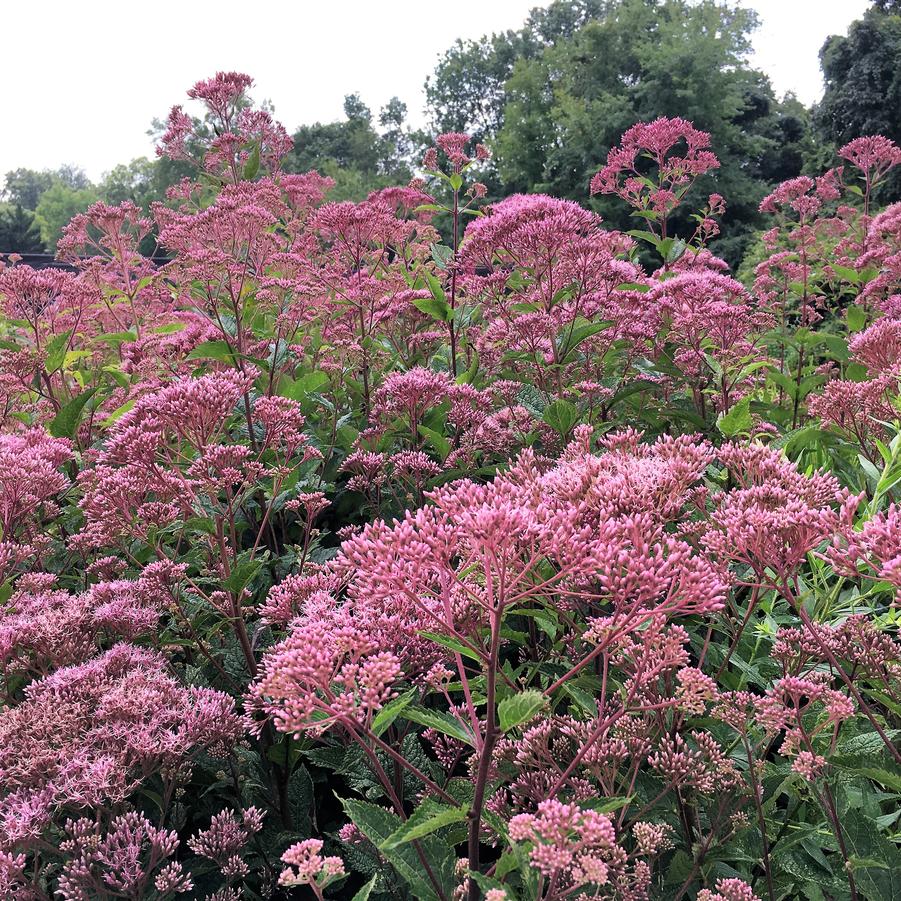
x: 56, y: 351
x: 532, y: 399
x: 436, y: 308
x: 429, y: 817
x: 391, y: 711
x: 737, y: 420
x: 878, y: 862
x: 441, y: 722
x: 66, y: 421
x: 561, y: 416
x: 377, y: 824
x: 520, y: 708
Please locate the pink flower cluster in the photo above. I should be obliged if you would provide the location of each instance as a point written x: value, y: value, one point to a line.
x: 85, y: 735
x: 678, y: 152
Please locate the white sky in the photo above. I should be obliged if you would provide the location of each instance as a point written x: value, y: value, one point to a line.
x: 83, y: 80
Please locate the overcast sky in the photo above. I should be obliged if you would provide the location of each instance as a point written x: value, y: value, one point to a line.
x: 83, y: 80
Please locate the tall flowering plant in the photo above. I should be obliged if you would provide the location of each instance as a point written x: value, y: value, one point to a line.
x: 422, y: 548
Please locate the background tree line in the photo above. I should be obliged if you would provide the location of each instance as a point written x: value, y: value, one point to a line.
x: 550, y: 99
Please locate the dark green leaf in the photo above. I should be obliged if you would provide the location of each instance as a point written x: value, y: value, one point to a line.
x: 429, y: 817
x: 441, y: 721
x: 561, y: 416
x: 737, y: 420
x: 252, y: 166
x: 66, y: 421
x: 56, y: 351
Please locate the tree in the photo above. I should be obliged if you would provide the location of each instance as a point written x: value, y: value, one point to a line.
x: 142, y: 181
x: 359, y: 158
x: 584, y: 72
x: 467, y: 90
x: 57, y: 206
x: 24, y: 187
x: 396, y: 140
x: 72, y: 177
x: 862, y: 75
x: 19, y: 233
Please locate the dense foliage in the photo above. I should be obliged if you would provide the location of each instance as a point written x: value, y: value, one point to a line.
x: 542, y: 561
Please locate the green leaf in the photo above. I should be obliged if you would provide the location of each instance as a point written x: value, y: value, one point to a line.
x: 737, y: 420
x: 437, y: 440
x: 437, y: 308
x: 456, y: 181
x: 650, y: 237
x: 856, y: 372
x: 56, y: 351
x: 242, y: 575
x: 213, y: 350
x: 520, y: 708
x: 675, y: 251
x: 452, y: 644
x: 845, y: 273
x: 609, y: 805
x: 570, y: 342
x: 308, y: 383
x: 429, y: 817
x: 856, y: 318
x: 377, y: 824
x: 532, y: 399
x: 66, y: 421
x: 440, y: 721
x: 119, y: 337
x: 561, y: 416
x: 876, y: 861
x: 391, y: 711
x: 366, y: 891
x: 836, y: 345
x: 442, y: 255
x: 583, y: 698
x: 170, y: 328
x: 118, y: 412
x: 252, y: 166
x: 467, y: 378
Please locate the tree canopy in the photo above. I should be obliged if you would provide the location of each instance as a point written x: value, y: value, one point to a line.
x: 862, y: 75
x: 554, y: 97
x: 551, y: 99
x: 352, y: 151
